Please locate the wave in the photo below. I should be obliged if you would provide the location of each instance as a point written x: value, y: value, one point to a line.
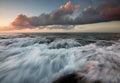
x: 42, y: 60
x: 64, y: 43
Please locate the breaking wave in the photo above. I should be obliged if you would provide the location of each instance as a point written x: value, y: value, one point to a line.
x: 43, y: 60
x: 64, y: 43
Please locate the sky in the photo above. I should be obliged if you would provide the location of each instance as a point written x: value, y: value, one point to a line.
x: 59, y: 15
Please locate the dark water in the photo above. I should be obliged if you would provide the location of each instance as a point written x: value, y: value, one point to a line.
x: 45, y: 57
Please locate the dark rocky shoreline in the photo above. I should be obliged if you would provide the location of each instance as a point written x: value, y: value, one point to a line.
x: 75, y: 78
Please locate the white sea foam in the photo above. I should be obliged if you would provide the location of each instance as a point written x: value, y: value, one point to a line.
x: 26, y: 61
x: 64, y: 43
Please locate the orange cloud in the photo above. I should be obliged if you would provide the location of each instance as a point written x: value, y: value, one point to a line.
x: 20, y: 20
x: 69, y: 6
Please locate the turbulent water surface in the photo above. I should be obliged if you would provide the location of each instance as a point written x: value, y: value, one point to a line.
x: 45, y: 57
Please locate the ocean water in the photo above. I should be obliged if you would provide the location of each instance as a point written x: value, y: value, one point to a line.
x: 45, y: 57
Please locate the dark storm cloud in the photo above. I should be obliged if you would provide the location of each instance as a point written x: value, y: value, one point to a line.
x: 62, y: 16
x: 110, y: 12
x: 88, y: 15
x: 104, y: 12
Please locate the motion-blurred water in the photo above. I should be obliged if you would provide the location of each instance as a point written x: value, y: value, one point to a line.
x: 44, y: 57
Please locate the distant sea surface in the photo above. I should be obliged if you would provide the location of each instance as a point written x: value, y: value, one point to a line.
x: 46, y: 57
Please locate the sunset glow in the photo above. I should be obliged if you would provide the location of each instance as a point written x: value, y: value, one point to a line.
x: 34, y: 18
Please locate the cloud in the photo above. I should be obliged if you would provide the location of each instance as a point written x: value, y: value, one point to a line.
x: 68, y: 6
x: 21, y: 20
x: 67, y: 27
x: 88, y: 15
x: 111, y: 12
x: 62, y: 17
x: 105, y: 12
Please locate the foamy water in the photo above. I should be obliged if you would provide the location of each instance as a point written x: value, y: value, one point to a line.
x: 26, y: 59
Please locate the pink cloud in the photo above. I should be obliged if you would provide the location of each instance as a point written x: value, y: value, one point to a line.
x: 69, y: 6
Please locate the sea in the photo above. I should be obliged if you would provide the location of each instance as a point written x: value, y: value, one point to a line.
x: 45, y: 57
